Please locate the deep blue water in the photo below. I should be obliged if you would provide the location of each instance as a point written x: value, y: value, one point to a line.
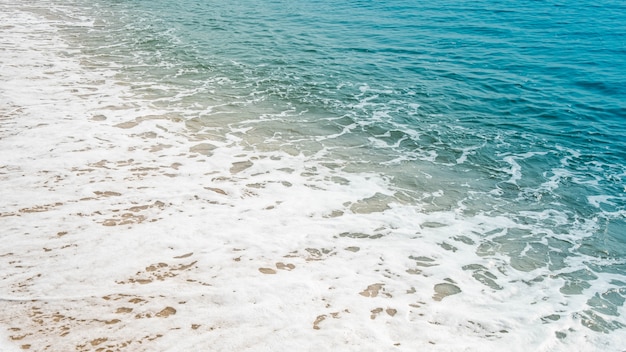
x: 501, y: 108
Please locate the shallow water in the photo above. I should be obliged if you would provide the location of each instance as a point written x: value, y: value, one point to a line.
x: 466, y: 160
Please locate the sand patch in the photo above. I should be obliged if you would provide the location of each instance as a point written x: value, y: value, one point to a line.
x: 372, y: 290
x: 444, y: 290
x: 166, y: 312
x: 267, y: 271
x: 127, y: 125
x: 40, y: 208
x: 158, y: 272
x: 59, y: 325
x: 239, y: 166
x: 203, y: 148
x: 132, y: 215
x: 283, y: 266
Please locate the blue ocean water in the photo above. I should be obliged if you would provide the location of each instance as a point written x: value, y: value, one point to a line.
x: 524, y: 100
x: 501, y: 109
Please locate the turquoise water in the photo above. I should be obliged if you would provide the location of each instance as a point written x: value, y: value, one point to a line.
x: 487, y: 109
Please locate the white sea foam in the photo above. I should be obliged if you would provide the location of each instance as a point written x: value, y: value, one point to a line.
x: 596, y: 201
x: 126, y: 228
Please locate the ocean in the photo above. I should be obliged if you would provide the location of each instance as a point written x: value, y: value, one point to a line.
x: 424, y: 175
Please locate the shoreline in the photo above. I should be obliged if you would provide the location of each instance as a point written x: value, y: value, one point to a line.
x: 105, y: 218
x: 127, y: 227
